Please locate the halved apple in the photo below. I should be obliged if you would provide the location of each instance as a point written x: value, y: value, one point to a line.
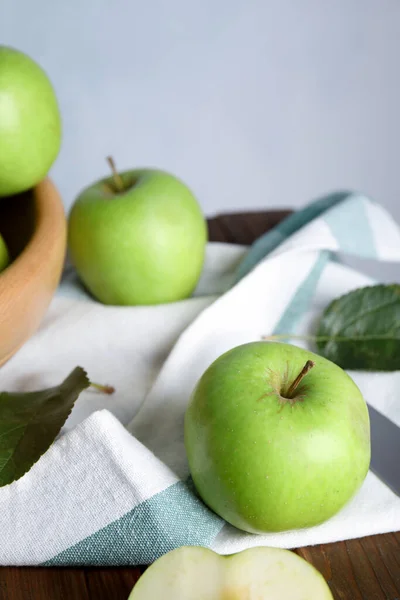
x: 194, y: 573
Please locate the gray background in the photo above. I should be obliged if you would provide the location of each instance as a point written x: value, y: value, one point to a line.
x: 255, y: 103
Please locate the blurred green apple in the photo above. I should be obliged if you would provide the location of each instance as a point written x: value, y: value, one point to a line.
x: 138, y: 238
x: 30, y: 124
x: 4, y: 258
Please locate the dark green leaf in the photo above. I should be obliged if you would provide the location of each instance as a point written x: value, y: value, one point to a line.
x: 30, y: 422
x: 361, y: 330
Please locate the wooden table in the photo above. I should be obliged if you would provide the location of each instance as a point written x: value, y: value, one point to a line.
x: 362, y: 569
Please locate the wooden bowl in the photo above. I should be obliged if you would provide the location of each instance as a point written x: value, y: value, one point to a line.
x: 34, y: 228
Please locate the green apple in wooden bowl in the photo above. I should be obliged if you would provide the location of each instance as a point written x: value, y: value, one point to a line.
x: 137, y: 237
x: 30, y: 123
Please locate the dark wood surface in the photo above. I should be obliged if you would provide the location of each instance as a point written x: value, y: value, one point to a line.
x: 362, y: 569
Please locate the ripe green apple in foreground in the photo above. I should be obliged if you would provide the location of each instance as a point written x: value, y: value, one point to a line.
x: 277, y: 437
x: 30, y: 124
x: 138, y: 238
x: 4, y: 258
x: 194, y: 573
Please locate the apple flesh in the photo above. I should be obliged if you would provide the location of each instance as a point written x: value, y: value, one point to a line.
x: 30, y: 124
x: 269, y: 454
x: 194, y: 573
x: 4, y: 257
x: 141, y: 243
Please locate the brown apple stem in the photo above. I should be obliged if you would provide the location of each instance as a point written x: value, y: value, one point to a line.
x: 307, y: 367
x: 119, y: 184
x: 105, y: 389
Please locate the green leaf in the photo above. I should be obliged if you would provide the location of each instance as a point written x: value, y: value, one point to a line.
x: 30, y: 422
x: 361, y: 330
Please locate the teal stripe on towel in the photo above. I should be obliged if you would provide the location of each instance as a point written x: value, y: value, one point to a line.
x: 302, y: 297
x: 271, y: 240
x: 350, y: 226
x: 172, y: 518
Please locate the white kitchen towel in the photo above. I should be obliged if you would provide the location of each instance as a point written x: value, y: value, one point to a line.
x: 106, y: 494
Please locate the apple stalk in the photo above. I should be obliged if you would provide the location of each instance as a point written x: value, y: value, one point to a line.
x: 119, y: 184
x: 307, y: 367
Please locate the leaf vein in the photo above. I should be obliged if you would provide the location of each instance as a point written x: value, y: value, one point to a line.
x: 370, y: 312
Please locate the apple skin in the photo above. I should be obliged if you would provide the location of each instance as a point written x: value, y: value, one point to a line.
x: 263, y: 463
x: 4, y: 257
x: 196, y: 573
x: 30, y: 124
x: 144, y: 245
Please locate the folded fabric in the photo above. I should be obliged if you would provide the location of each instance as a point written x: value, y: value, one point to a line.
x: 114, y: 488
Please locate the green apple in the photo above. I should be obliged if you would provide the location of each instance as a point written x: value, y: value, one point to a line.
x: 195, y: 573
x: 4, y: 257
x: 30, y: 125
x: 138, y: 238
x: 277, y: 437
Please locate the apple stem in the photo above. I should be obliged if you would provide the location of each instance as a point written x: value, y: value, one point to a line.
x: 307, y: 367
x: 105, y: 389
x: 119, y: 184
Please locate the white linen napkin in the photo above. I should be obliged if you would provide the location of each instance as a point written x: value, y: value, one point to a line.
x: 114, y: 488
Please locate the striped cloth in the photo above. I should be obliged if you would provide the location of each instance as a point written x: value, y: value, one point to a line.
x: 114, y: 489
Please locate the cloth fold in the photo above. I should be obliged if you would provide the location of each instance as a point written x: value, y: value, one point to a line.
x: 114, y: 488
